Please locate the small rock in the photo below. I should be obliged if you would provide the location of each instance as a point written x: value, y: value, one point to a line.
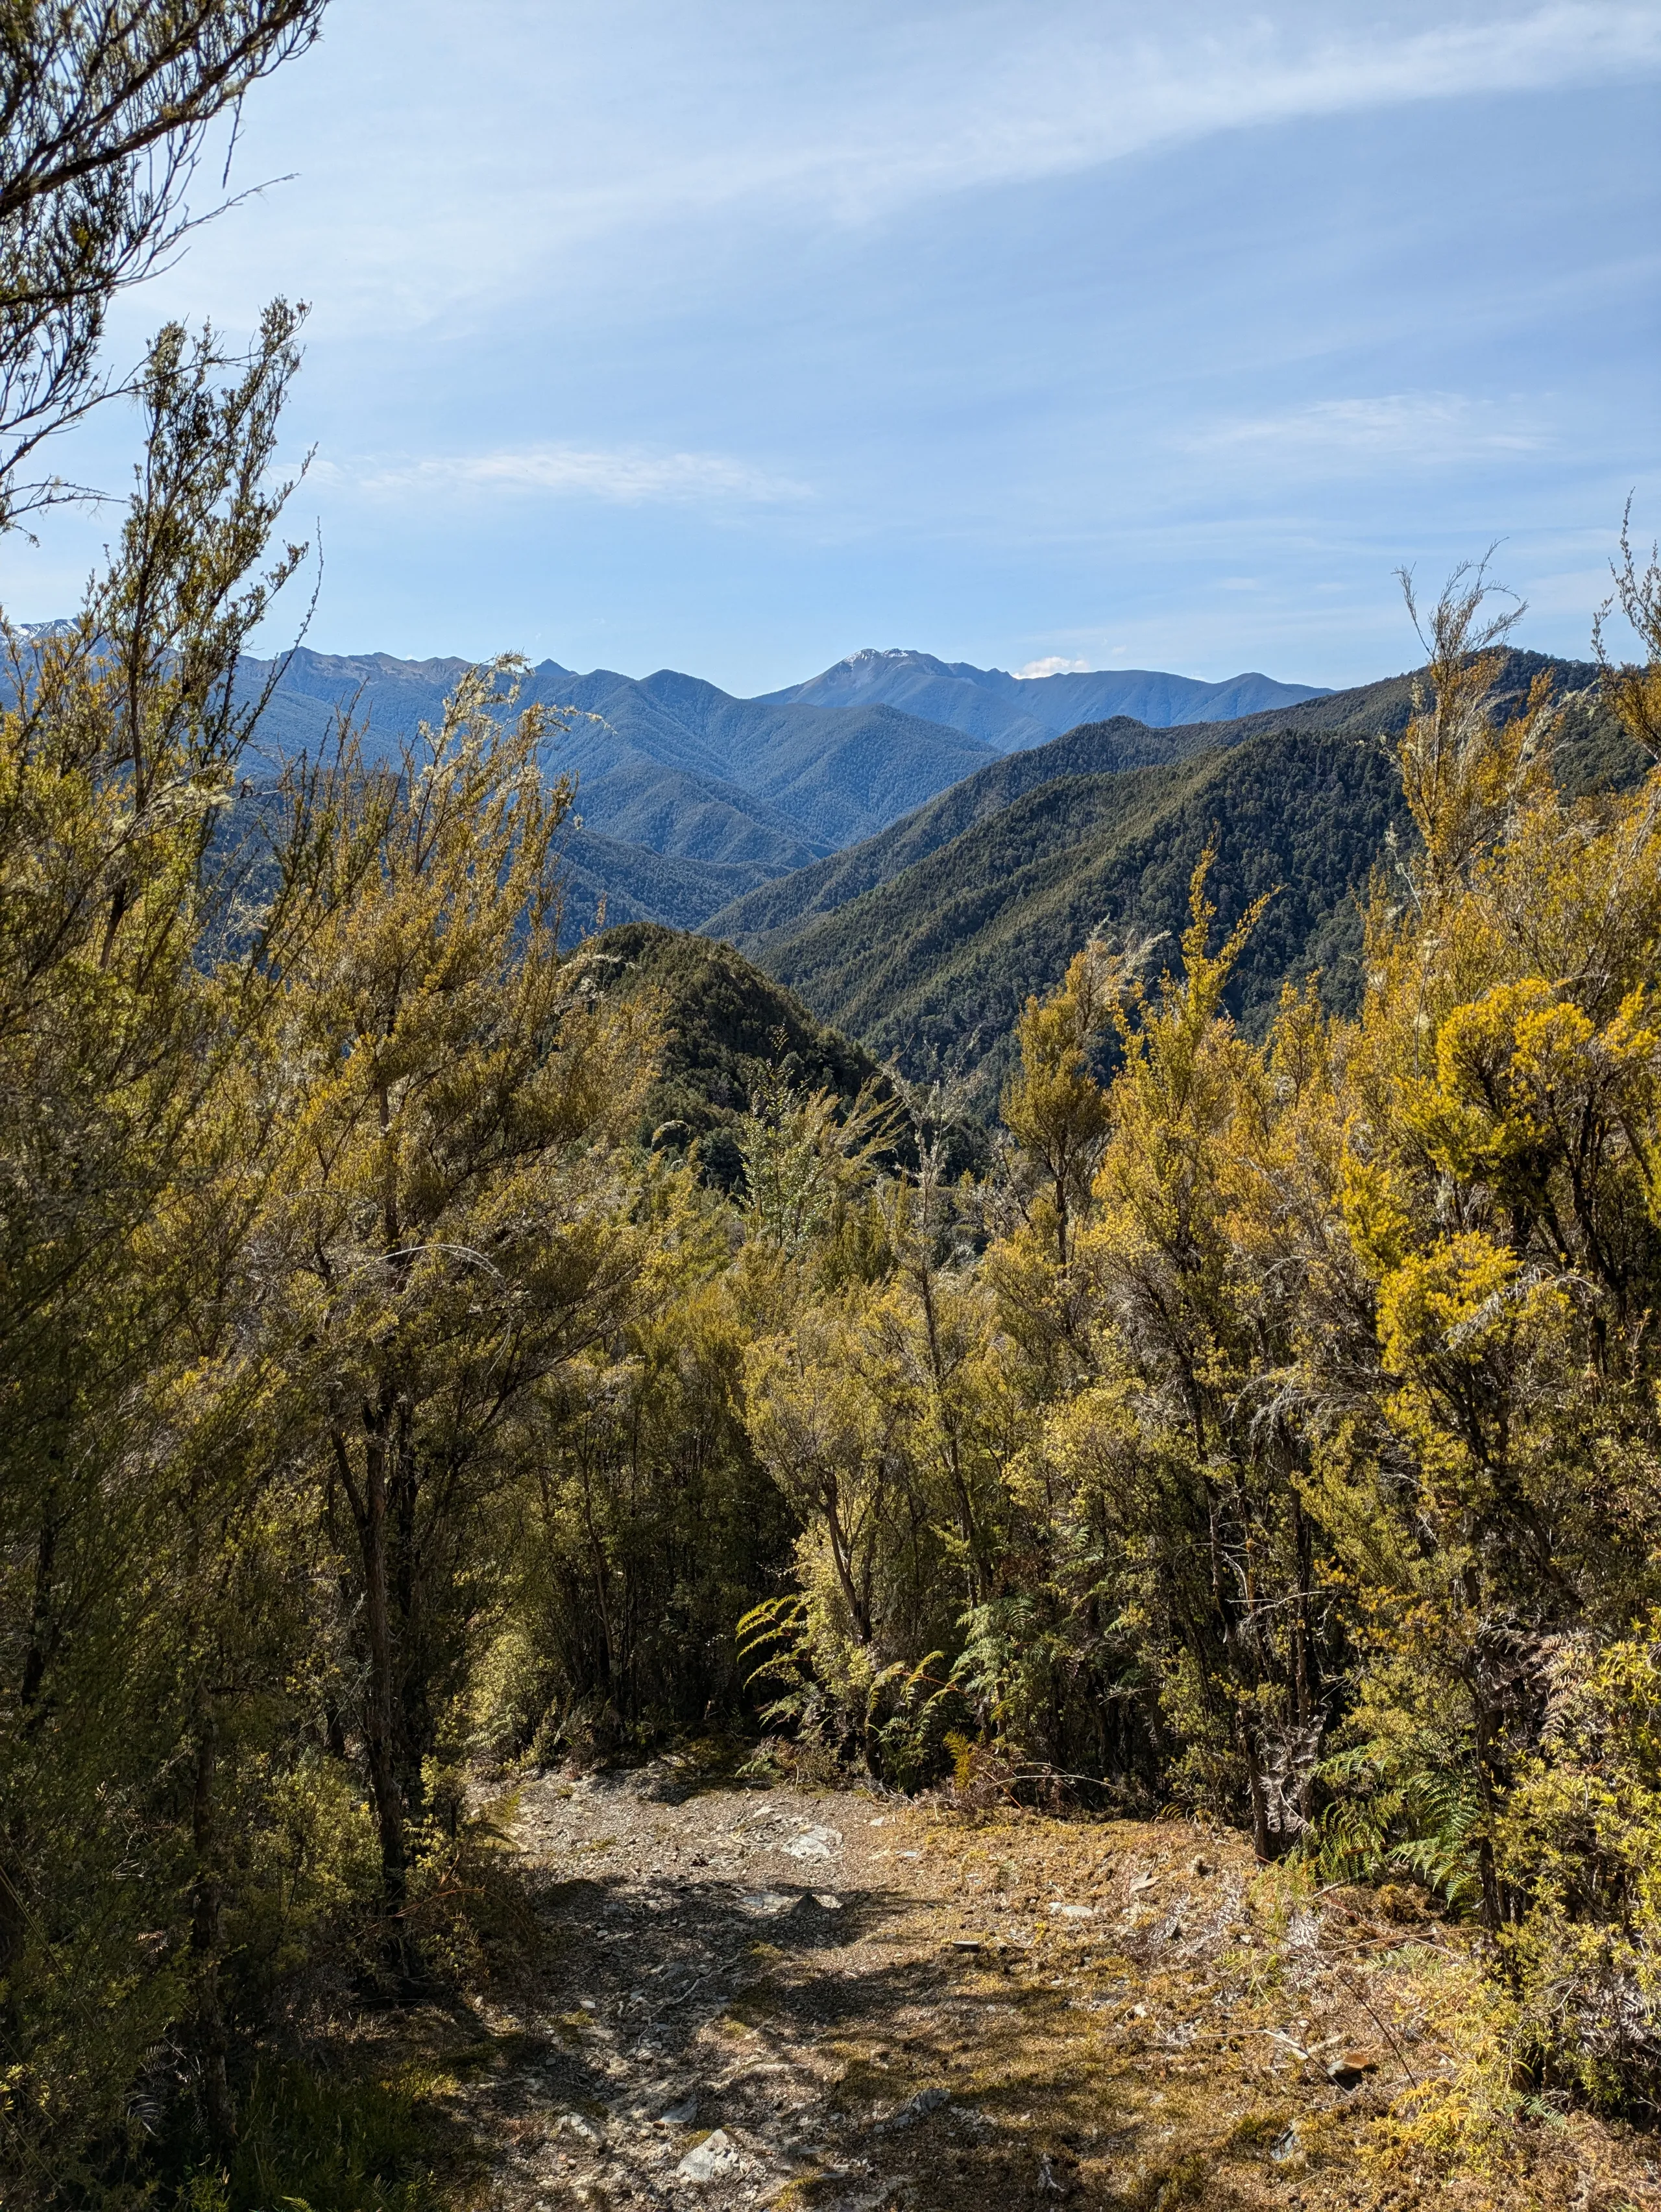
x: 813, y: 1844
x: 768, y: 1902
x: 1077, y: 1912
x: 913, y: 2110
x: 826, y: 1902
x: 1284, y: 2147
x: 715, y: 2158
x: 681, y: 2116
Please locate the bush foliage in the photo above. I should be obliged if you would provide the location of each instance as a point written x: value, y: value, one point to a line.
x: 1269, y: 1425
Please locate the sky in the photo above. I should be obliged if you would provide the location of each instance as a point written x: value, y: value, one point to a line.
x: 734, y: 337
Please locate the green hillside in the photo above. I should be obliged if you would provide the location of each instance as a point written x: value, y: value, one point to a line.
x: 931, y: 967
x: 727, y: 1026
x: 1600, y: 755
x: 631, y: 883
x: 823, y: 885
x: 925, y: 941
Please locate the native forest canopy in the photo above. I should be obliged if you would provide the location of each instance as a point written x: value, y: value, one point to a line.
x: 1182, y: 1343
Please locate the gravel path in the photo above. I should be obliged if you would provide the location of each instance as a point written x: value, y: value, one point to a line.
x: 725, y: 1960
x: 839, y: 2002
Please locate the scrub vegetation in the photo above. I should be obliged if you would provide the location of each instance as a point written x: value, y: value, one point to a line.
x: 431, y: 1360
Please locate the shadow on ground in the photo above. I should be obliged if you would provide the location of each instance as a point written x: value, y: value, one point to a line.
x: 741, y: 2001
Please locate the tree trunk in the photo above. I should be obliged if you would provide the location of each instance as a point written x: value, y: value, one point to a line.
x: 1260, y: 1837
x: 217, y: 2111
x: 1303, y: 1684
x: 380, y: 1731
x: 411, y: 1719
x: 34, y: 1657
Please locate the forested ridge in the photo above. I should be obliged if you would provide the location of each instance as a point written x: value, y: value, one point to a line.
x: 932, y: 967
x: 925, y: 941
x: 430, y: 1355
x: 1366, y: 711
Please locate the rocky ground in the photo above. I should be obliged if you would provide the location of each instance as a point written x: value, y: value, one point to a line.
x: 779, y: 1997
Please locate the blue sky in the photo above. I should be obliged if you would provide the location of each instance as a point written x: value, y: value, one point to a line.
x: 733, y: 337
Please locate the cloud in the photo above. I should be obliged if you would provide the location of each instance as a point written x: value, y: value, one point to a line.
x: 1092, y: 86
x: 1053, y: 665
x: 669, y: 120
x: 1423, y: 429
x: 626, y: 476
x: 943, y: 98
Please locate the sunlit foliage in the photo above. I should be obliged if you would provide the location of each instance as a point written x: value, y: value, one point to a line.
x: 391, y: 1397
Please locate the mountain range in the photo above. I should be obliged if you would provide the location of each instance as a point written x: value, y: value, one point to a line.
x: 689, y: 798
x: 925, y: 941
x: 1013, y: 711
x: 908, y: 877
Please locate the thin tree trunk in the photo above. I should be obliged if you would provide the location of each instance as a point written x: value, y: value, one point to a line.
x: 380, y: 1735
x: 1260, y: 1838
x: 45, y: 1560
x: 217, y: 2110
x: 1303, y: 1685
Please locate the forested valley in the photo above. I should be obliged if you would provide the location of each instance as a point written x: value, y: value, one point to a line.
x: 431, y: 1359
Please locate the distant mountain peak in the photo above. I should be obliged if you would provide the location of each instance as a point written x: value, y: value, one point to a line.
x: 1012, y: 711
x: 872, y: 659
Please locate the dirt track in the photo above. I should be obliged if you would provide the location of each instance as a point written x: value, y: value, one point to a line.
x: 780, y: 1997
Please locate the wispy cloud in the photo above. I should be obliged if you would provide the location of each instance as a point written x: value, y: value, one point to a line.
x: 1090, y: 85
x: 1055, y: 664
x: 627, y: 475
x: 926, y: 104
x: 1424, y: 430
x: 738, y: 110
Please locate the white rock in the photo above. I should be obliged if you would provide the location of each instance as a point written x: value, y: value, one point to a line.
x: 715, y: 2159
x: 813, y: 1844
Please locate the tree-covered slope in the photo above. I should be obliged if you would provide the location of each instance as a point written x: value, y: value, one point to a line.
x: 1097, y: 748
x: 925, y: 942
x: 931, y: 967
x: 1370, y: 709
x: 605, y: 880
x: 727, y: 1025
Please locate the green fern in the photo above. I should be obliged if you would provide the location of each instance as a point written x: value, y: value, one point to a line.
x: 1424, y: 1821
x: 775, y: 1635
